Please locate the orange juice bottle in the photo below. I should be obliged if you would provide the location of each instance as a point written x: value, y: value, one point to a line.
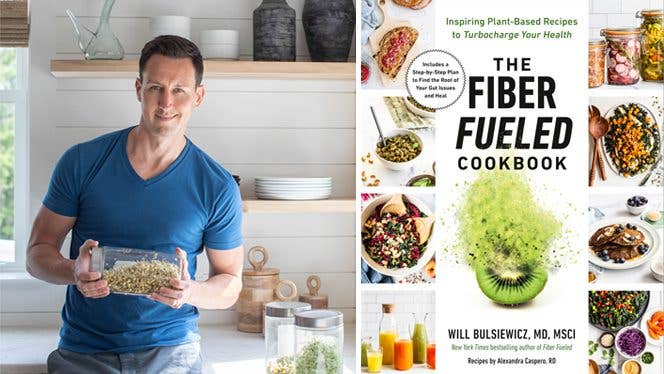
x: 388, y: 334
x: 403, y: 354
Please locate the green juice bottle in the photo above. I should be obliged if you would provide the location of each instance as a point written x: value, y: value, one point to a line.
x: 420, y: 341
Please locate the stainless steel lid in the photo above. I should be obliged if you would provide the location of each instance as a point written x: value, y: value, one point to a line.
x: 285, y: 309
x: 319, y: 319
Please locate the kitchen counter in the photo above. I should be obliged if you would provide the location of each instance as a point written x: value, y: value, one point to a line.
x: 417, y: 368
x: 225, y: 350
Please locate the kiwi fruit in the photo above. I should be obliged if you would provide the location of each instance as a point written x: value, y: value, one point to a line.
x: 511, y: 286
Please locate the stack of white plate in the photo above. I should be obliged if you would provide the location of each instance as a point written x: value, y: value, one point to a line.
x: 293, y: 188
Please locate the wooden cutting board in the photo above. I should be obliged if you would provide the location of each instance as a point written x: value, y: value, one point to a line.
x: 375, y: 38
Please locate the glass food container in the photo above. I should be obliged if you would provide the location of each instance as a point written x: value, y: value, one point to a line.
x: 135, y: 271
x: 596, y: 62
x: 319, y: 340
x: 624, y: 53
x: 652, y: 57
x: 388, y: 333
x: 280, y: 335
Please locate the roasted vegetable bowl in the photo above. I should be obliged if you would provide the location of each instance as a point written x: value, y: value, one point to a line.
x: 633, y: 141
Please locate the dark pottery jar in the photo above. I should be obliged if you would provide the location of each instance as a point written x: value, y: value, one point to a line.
x: 274, y: 31
x: 329, y: 27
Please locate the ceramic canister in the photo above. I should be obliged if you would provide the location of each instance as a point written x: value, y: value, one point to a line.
x: 258, y: 286
x: 170, y: 25
x: 274, y: 31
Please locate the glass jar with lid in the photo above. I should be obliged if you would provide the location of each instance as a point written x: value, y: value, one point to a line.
x: 652, y: 57
x: 596, y: 62
x: 319, y: 340
x: 280, y: 335
x: 624, y: 53
x: 134, y: 271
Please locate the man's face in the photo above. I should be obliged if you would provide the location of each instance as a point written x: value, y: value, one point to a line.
x: 168, y: 94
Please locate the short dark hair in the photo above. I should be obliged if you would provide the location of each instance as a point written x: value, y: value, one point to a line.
x: 172, y: 46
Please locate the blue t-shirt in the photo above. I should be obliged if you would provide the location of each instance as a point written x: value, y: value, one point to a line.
x: 192, y: 204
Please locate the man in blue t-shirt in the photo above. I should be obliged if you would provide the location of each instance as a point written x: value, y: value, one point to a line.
x: 146, y: 187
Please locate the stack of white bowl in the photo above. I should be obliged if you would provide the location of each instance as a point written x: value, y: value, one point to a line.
x: 170, y: 25
x: 293, y: 188
x: 220, y: 44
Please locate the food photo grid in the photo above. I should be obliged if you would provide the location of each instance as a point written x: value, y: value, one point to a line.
x: 398, y: 332
x: 625, y: 176
x: 393, y: 33
x: 397, y: 143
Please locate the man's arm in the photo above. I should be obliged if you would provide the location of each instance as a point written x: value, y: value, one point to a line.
x: 219, y: 291
x: 44, y: 261
x: 43, y: 258
x: 222, y: 288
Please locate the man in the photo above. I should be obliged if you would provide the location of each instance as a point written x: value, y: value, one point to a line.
x: 144, y: 187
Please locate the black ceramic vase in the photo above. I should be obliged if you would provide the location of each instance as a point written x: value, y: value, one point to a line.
x: 274, y: 31
x: 329, y: 27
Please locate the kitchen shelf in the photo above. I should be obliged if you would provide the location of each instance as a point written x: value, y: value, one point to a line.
x: 213, y: 69
x: 304, y: 206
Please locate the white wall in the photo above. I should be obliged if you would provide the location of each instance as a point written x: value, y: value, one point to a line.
x: 252, y: 127
x: 406, y: 302
x: 617, y: 13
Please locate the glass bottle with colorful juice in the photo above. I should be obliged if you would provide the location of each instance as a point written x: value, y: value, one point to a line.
x: 387, y: 333
x: 403, y: 348
x: 420, y: 340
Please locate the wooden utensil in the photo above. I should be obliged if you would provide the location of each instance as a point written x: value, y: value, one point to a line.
x: 605, y: 128
x: 598, y: 126
x: 394, y: 205
x: 317, y: 301
x: 423, y: 227
x: 258, y: 289
x: 374, y: 41
x: 593, y: 111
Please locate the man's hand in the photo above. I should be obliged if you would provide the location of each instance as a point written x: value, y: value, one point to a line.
x: 180, y: 291
x: 89, y: 283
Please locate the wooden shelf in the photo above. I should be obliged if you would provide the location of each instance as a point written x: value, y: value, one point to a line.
x: 304, y: 206
x: 213, y: 69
